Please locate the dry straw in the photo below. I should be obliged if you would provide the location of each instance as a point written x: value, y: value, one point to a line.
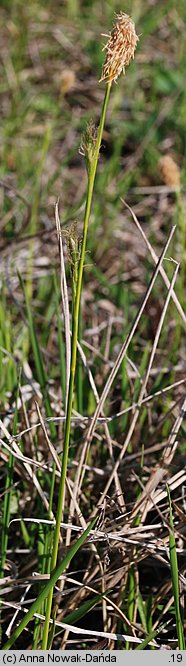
x: 120, y: 47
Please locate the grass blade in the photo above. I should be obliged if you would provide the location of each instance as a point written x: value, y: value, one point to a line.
x: 175, y: 577
x: 53, y: 579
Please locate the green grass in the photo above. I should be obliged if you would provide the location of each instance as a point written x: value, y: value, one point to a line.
x: 175, y: 578
x: 53, y: 579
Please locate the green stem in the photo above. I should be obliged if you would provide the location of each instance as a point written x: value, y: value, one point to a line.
x: 75, y: 320
x: 175, y: 578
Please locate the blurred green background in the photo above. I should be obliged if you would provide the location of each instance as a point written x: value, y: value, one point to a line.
x: 51, y: 59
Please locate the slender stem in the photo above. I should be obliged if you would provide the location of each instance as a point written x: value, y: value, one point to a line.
x: 175, y: 577
x: 75, y: 320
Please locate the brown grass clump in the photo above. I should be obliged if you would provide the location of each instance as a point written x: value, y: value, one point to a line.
x: 170, y: 172
x: 120, y: 47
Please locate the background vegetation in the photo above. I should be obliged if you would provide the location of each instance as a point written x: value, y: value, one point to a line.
x: 51, y: 59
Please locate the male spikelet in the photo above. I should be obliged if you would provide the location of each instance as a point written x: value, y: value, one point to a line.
x: 120, y: 47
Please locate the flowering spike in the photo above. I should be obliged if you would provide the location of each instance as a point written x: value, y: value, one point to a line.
x: 119, y: 48
x: 88, y: 144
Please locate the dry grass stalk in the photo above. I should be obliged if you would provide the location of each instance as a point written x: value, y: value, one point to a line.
x: 64, y: 298
x: 155, y: 259
x: 158, y: 473
x: 111, y: 378
x: 14, y: 450
x: 79, y: 630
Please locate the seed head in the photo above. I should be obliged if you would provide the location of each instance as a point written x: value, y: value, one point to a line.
x: 120, y: 47
x: 169, y: 171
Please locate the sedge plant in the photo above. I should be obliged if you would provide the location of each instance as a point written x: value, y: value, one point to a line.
x: 120, y: 50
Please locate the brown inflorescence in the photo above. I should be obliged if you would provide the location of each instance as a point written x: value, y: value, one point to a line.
x: 169, y: 171
x: 120, y: 47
